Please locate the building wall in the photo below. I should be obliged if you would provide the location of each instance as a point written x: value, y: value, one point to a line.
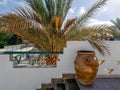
x: 31, y: 78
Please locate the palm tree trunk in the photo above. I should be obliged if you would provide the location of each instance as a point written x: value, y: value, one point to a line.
x: 51, y: 59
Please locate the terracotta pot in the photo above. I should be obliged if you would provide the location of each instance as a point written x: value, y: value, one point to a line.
x: 86, y: 66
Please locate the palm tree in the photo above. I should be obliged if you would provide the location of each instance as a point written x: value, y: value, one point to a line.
x: 44, y: 24
x: 116, y: 23
x: 116, y: 26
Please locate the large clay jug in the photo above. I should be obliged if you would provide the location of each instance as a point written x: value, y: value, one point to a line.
x: 86, y: 66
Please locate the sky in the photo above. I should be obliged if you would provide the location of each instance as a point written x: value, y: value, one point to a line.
x: 109, y: 12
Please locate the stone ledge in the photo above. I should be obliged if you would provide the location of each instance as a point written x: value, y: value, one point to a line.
x: 108, y: 76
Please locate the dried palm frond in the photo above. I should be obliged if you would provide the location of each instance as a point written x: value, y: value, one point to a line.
x: 100, y: 46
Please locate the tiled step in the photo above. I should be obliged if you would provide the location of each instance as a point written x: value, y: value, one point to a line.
x: 38, y: 89
x: 50, y: 89
x: 71, y: 84
x: 44, y: 86
x: 60, y: 86
x: 54, y: 81
x: 57, y: 80
x: 68, y: 76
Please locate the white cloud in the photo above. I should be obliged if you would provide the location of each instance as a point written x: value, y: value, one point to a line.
x: 17, y: 3
x: 20, y: 3
x: 72, y: 10
x: 93, y: 21
x: 4, y: 2
x: 82, y: 10
x: 114, y: 7
x: 110, y: 10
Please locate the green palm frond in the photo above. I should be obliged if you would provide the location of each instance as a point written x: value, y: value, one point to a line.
x: 116, y: 23
x: 62, y: 7
x: 49, y: 8
x: 28, y: 13
x: 50, y: 5
x: 116, y: 27
x: 39, y: 7
x: 89, y: 13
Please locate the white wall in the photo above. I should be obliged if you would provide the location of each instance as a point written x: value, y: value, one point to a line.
x: 31, y: 78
